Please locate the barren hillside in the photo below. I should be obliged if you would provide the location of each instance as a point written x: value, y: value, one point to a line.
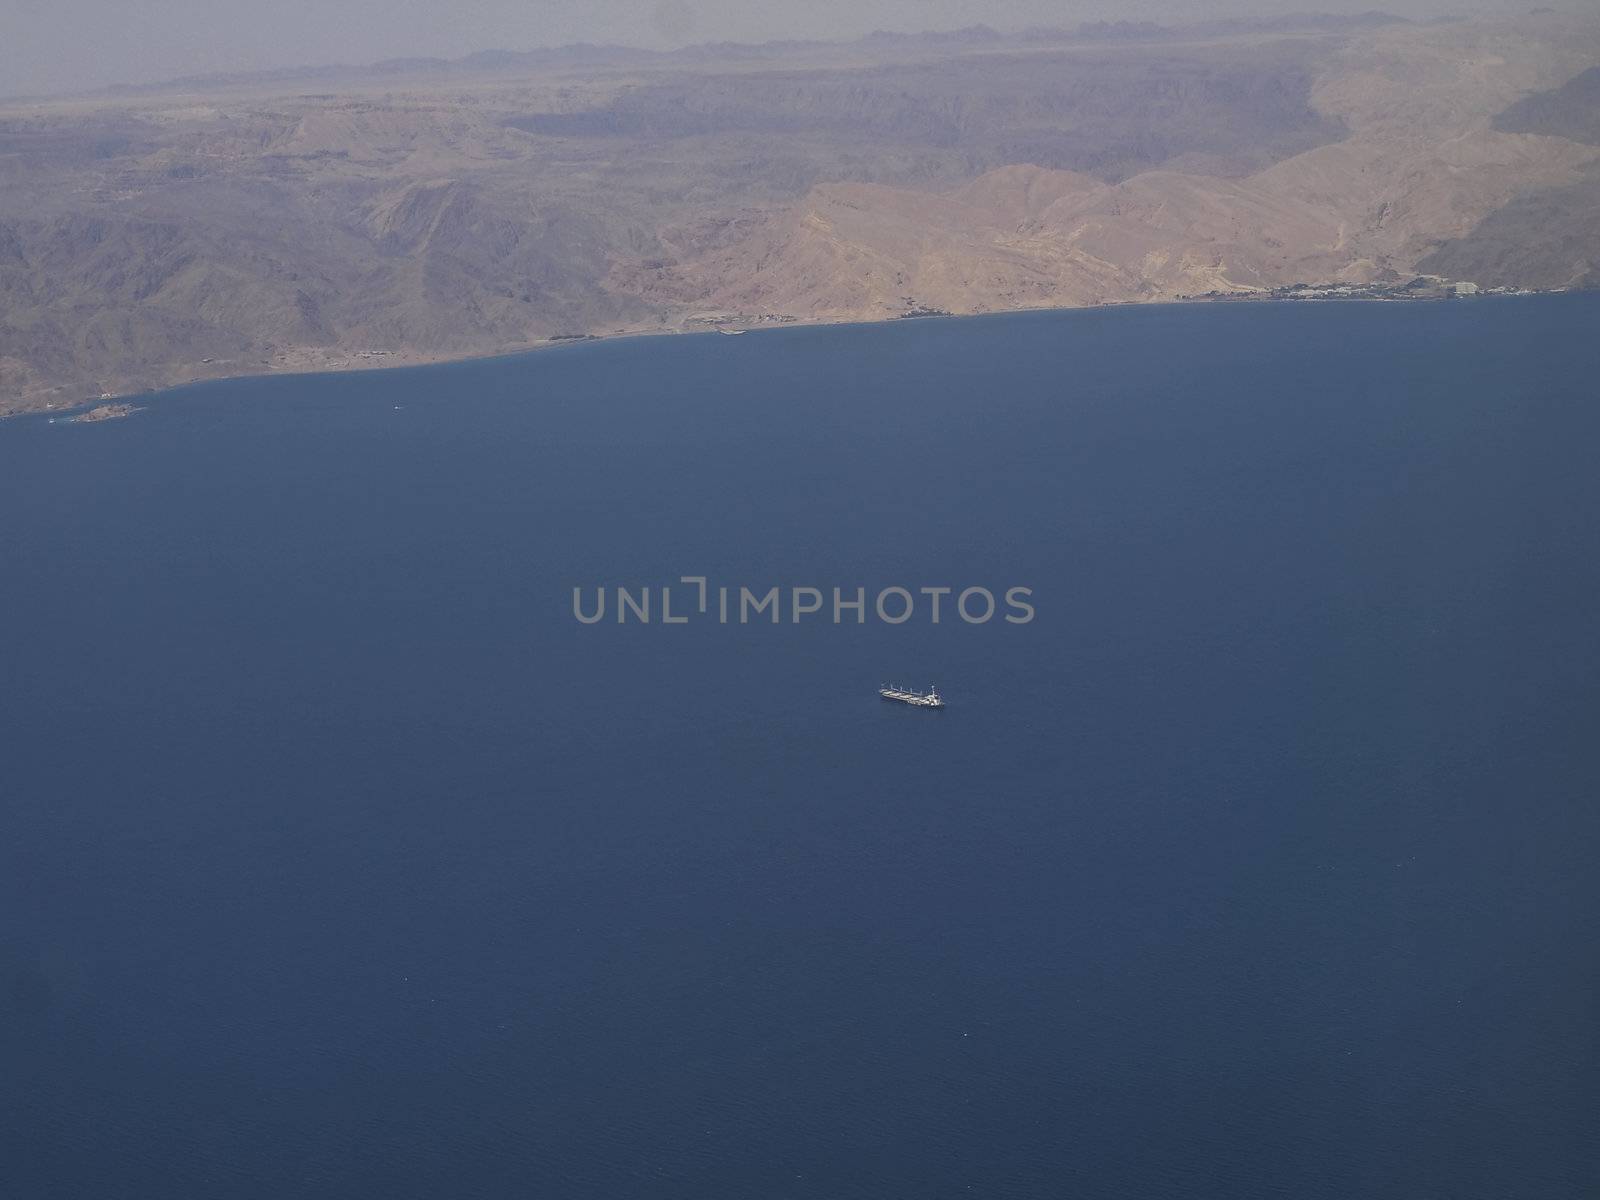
x: 425, y: 210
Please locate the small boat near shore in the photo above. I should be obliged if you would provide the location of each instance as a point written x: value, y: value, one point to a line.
x: 904, y: 695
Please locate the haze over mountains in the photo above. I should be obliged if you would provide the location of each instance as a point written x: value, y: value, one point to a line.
x: 429, y: 209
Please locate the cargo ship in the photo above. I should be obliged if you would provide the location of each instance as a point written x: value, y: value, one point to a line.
x: 927, y: 699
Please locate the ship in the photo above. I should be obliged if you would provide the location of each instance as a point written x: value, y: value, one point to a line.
x: 927, y: 699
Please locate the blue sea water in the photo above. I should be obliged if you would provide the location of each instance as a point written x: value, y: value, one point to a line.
x: 338, y: 860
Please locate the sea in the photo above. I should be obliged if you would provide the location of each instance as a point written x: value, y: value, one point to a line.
x: 340, y: 859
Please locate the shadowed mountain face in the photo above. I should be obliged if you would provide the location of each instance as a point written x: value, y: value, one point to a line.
x: 1569, y: 111
x: 1112, y: 115
x: 1547, y: 237
x: 430, y: 210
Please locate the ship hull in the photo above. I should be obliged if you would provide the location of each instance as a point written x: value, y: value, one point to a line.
x: 914, y: 699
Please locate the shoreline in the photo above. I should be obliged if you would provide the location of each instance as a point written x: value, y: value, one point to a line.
x: 124, y: 402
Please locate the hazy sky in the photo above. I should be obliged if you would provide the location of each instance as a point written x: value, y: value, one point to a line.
x: 68, y: 45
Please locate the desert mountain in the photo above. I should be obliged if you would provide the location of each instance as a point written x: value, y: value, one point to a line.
x: 422, y: 210
x: 1432, y: 153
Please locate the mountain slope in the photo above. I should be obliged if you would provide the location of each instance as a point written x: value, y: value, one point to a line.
x: 1425, y: 162
x: 433, y: 210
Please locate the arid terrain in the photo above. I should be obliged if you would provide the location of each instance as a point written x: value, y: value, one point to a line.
x: 423, y: 209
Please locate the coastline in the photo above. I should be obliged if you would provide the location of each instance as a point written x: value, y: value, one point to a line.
x: 355, y: 362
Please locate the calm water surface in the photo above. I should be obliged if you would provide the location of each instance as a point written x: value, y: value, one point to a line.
x: 338, y: 860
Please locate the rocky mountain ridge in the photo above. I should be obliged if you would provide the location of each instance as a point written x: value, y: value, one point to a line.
x: 186, y: 234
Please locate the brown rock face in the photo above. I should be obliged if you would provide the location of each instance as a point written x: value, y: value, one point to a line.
x: 415, y: 212
x: 1423, y: 164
